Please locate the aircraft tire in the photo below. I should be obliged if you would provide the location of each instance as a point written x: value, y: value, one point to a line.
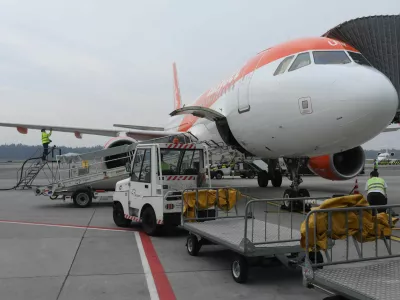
x: 262, y: 179
x: 288, y: 193
x: 276, y: 180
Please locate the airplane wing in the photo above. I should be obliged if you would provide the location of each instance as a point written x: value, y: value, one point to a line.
x: 78, y: 131
x: 139, y: 127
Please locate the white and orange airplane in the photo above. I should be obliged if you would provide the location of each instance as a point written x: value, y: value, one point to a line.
x: 315, y: 98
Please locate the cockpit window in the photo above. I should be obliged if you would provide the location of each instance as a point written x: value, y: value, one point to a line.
x: 301, y: 60
x: 283, y: 65
x: 359, y: 58
x: 330, y: 58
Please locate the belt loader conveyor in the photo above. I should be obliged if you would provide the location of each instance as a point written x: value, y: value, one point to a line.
x: 86, y: 176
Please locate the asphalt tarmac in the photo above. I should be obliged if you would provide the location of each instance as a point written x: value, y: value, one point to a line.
x: 52, y: 250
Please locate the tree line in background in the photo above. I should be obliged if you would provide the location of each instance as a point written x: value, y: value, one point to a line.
x: 22, y: 152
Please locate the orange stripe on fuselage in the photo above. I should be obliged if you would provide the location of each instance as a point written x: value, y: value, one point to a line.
x: 261, y: 59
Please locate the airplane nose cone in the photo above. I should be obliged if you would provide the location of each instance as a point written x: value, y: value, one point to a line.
x: 370, y: 99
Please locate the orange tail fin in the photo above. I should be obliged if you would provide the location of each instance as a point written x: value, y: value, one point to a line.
x: 177, y: 93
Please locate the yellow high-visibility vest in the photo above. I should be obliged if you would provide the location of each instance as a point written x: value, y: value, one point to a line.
x: 45, y: 137
x: 376, y: 183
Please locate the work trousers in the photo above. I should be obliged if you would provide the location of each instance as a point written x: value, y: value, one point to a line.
x: 376, y: 198
x: 45, y: 151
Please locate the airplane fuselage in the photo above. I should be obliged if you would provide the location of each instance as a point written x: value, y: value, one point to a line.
x: 321, y: 103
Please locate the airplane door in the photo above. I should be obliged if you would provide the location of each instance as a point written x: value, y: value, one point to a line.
x: 140, y: 186
x: 244, y: 90
x: 243, y: 93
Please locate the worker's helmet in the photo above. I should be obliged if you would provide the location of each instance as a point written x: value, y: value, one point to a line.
x: 43, y: 130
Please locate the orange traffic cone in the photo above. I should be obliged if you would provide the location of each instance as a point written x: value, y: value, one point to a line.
x: 355, y: 190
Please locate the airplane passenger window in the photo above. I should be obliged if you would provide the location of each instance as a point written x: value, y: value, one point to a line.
x: 301, y: 60
x: 283, y: 65
x: 359, y: 58
x: 330, y: 58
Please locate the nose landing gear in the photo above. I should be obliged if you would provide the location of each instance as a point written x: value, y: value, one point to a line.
x: 293, y: 166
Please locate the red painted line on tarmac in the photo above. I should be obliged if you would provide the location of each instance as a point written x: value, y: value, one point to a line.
x: 163, y: 286
x: 67, y: 225
x: 161, y: 281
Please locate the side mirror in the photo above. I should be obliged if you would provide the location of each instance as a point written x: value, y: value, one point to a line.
x: 128, y: 167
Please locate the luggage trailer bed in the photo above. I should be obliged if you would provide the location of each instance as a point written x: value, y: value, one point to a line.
x: 378, y: 281
x: 229, y: 232
x: 247, y: 237
x: 374, y: 277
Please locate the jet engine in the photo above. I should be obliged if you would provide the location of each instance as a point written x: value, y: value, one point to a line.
x: 339, y: 166
x: 117, y: 160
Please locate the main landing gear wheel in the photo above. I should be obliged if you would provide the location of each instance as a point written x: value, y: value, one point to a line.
x: 119, y: 217
x: 149, y: 221
x: 276, y: 180
x: 240, y: 269
x: 262, y: 179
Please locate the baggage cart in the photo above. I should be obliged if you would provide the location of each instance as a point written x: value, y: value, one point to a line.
x: 250, y: 238
x: 370, y: 271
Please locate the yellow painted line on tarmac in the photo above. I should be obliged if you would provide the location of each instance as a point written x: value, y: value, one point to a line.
x: 395, y: 238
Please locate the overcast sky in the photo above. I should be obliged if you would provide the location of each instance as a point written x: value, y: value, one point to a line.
x: 97, y: 63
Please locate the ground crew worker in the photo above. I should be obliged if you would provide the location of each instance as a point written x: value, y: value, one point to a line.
x: 45, y: 142
x: 376, y: 164
x: 376, y: 190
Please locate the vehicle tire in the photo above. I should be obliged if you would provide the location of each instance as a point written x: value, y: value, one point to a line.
x: 288, y: 193
x: 240, y: 269
x: 277, y: 179
x: 82, y: 198
x: 251, y: 175
x: 262, y: 179
x: 219, y: 175
x: 320, y: 258
x: 149, y: 221
x: 192, y: 245
x: 119, y: 216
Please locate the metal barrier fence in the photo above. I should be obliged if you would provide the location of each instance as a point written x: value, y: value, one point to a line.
x: 348, y: 212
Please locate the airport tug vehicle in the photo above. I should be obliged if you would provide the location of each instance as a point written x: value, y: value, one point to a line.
x: 158, y: 175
